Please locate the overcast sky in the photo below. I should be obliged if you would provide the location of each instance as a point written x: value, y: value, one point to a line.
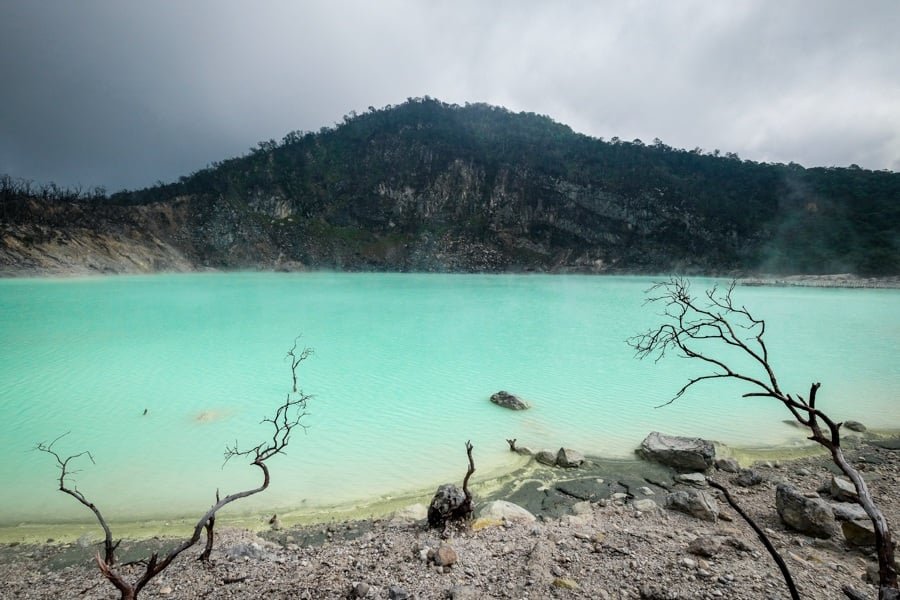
x: 122, y: 94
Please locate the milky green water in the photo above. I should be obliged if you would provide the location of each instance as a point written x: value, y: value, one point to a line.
x: 402, y: 371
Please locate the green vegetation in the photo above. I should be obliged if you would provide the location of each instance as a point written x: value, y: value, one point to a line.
x: 528, y: 186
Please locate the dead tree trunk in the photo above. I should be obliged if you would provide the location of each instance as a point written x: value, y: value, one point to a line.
x: 693, y: 327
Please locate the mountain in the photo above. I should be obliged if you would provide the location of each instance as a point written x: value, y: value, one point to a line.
x: 427, y: 186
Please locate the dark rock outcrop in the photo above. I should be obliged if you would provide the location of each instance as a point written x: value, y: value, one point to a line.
x: 507, y: 400
x: 812, y: 516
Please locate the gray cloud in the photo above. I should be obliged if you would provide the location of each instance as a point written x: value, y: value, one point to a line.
x: 123, y: 94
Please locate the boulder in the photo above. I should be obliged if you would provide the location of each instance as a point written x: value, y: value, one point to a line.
x: 748, y: 478
x: 855, y: 426
x: 569, y: 459
x: 507, y: 400
x: 812, y: 516
x: 842, y: 490
x: 546, y: 457
x: 695, y: 503
x: 729, y: 465
x: 524, y: 451
x: 688, y: 454
x: 502, y: 510
x: 447, y: 500
x: 859, y: 532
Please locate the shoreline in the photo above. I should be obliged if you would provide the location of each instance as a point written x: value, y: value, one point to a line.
x: 498, y: 484
x: 595, y: 548
x: 831, y: 280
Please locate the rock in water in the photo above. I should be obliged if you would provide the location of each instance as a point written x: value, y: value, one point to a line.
x: 855, y: 426
x: 695, y: 503
x: 689, y: 454
x: 507, y: 400
x: 569, y: 459
x: 812, y: 516
x: 446, y: 503
x: 546, y: 457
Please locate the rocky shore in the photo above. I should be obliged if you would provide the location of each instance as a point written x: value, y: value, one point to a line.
x: 582, y: 535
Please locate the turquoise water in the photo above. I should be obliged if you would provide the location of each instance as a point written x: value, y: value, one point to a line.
x: 402, y: 371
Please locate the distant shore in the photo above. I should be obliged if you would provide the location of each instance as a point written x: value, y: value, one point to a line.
x: 841, y: 280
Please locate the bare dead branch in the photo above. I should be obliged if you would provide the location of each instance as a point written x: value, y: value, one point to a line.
x: 692, y: 328
x: 782, y: 566
x: 287, y: 417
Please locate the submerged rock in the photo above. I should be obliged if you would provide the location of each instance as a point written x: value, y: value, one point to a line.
x: 507, y: 400
x: 812, y: 516
x: 855, y: 426
x: 690, y: 454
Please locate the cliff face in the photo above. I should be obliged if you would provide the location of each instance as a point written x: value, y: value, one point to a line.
x: 426, y: 186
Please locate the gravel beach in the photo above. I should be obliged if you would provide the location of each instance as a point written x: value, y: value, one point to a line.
x: 600, y: 540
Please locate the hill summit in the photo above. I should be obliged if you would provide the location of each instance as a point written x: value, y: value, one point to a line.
x: 428, y: 186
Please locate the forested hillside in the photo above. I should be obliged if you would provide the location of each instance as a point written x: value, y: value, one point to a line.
x: 430, y: 186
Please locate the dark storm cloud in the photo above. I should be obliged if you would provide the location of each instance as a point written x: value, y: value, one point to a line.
x: 123, y: 94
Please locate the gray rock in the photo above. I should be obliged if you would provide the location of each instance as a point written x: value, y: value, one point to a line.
x: 243, y: 550
x: 360, y: 590
x: 646, y: 491
x: 812, y: 516
x: 848, y: 511
x: 410, y: 514
x: 729, y: 465
x: 705, y: 545
x: 546, y: 457
x: 396, y: 592
x: 855, y: 426
x: 859, y: 532
x: 694, y: 479
x: 447, y: 500
x: 695, y: 503
x: 507, y: 400
x: 748, y: 478
x: 690, y: 454
x: 842, y: 490
x: 569, y: 459
x: 463, y: 592
x: 524, y: 450
x: 645, y: 505
x: 503, y: 510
